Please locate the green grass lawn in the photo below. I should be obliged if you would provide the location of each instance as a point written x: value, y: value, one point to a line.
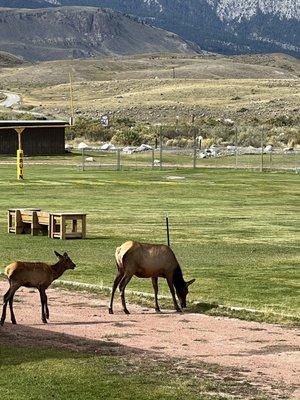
x: 44, y: 373
x: 235, y: 232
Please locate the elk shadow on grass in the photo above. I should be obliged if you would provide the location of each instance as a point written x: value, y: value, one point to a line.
x: 29, y: 338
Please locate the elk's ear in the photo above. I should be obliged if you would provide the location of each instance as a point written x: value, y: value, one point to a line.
x: 57, y: 254
x: 190, y: 282
x: 65, y: 254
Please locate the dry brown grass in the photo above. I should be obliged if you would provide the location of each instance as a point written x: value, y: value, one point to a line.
x: 143, y: 88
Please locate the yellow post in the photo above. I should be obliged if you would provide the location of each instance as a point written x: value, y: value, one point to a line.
x: 20, y: 155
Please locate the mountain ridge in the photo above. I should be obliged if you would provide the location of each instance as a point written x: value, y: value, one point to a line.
x: 221, y: 26
x: 81, y: 32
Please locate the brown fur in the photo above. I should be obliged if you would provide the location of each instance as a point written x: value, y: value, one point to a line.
x: 36, y: 275
x: 149, y: 261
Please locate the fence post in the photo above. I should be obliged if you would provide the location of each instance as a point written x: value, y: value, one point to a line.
x: 262, y: 152
x: 118, y: 160
x: 82, y: 152
x: 152, y: 159
x: 236, y: 147
x: 160, y: 148
x: 195, y: 150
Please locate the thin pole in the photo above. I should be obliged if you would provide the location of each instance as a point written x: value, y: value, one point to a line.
x: 152, y: 165
x: 82, y: 153
x: 174, y: 76
x: 71, y: 98
x: 195, y: 150
x: 118, y: 160
x: 168, y: 230
x: 160, y: 148
x: 235, y: 148
x: 262, y: 152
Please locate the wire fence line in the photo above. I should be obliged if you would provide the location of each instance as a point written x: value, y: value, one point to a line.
x: 177, y: 158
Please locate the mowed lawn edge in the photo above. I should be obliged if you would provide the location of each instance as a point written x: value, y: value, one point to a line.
x: 234, y: 231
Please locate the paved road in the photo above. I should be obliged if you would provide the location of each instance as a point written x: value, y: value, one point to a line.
x: 11, y: 99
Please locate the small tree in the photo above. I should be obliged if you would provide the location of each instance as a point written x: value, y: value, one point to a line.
x: 127, y: 138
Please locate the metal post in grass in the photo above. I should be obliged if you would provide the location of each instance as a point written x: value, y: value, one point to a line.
x: 168, y: 229
x: 82, y: 154
x: 152, y: 161
x: 118, y: 160
x: 160, y: 148
x: 195, y: 144
x: 236, y: 147
x: 262, y: 151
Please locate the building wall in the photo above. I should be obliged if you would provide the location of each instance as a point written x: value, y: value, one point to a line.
x: 35, y: 141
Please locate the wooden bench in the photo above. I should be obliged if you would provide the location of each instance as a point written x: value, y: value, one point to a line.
x: 40, y: 223
x: 55, y: 225
x: 60, y: 222
x: 20, y: 220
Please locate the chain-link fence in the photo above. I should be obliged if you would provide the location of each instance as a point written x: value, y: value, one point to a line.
x: 232, y: 157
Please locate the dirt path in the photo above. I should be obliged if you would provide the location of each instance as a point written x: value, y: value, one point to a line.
x: 262, y: 353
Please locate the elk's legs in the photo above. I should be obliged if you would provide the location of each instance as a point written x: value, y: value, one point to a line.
x: 43, y: 304
x: 115, y: 285
x: 8, y: 297
x: 125, y: 280
x: 155, y: 287
x: 12, y: 315
x: 171, y: 287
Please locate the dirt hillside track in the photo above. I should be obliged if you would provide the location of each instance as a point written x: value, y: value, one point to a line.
x: 263, y: 354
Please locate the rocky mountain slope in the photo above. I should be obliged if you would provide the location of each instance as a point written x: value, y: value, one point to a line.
x: 226, y: 26
x: 28, y: 3
x: 76, y: 32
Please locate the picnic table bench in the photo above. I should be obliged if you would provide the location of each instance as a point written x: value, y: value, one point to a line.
x: 56, y: 225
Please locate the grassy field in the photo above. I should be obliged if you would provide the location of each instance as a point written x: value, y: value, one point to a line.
x: 39, y: 373
x: 235, y: 232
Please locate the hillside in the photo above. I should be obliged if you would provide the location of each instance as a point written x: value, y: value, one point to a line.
x: 9, y: 60
x: 76, y: 32
x: 142, y: 87
x: 223, y: 26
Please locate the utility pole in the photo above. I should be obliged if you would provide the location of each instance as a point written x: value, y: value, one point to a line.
x: 71, y: 100
x: 195, y: 142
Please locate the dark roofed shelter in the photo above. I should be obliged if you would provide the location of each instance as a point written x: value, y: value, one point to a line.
x: 44, y: 137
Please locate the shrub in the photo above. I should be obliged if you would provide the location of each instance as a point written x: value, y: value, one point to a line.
x: 127, y: 138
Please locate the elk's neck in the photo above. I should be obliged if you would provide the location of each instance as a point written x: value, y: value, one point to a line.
x: 58, y: 269
x: 178, y: 280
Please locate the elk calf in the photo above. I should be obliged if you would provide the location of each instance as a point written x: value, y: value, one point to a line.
x: 33, y: 275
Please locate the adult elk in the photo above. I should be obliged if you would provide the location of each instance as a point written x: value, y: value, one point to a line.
x: 149, y: 261
x: 34, y: 275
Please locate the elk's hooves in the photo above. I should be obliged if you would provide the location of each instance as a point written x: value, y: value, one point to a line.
x: 178, y: 310
x: 158, y: 310
x: 1, y: 323
x: 126, y: 311
x: 44, y: 321
x: 14, y: 322
x: 110, y: 310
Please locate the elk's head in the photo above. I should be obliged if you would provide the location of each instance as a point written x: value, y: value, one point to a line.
x: 183, y: 292
x: 65, y: 260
